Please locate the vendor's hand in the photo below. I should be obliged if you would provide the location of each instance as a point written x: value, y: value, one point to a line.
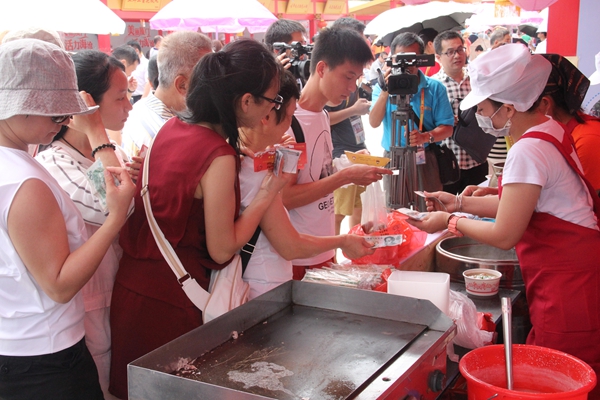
x: 478, y: 191
x: 133, y: 167
x: 417, y: 138
x: 284, y: 60
x: 447, y: 199
x: 433, y: 222
x: 356, y: 247
x: 361, y: 107
x: 363, y: 175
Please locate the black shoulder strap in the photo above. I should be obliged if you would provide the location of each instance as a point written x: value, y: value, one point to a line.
x: 248, y: 249
x: 297, y: 129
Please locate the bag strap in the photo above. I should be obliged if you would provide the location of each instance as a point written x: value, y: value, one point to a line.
x: 183, y: 277
x: 297, y: 130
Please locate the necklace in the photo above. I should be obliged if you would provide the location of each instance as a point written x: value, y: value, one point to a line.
x: 73, y: 147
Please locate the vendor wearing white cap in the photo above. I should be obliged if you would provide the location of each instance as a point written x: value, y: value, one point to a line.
x: 545, y: 208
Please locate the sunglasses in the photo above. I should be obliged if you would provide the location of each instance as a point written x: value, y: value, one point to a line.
x: 278, y: 101
x: 60, y: 119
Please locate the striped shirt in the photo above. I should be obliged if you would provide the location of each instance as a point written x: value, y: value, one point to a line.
x: 456, y: 92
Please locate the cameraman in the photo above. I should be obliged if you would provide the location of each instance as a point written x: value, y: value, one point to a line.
x: 285, y: 31
x: 437, y: 115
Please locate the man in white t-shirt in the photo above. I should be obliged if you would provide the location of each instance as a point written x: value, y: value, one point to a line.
x: 337, y: 61
x: 140, y: 72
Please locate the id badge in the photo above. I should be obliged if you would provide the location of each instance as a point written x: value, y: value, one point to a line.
x: 358, y: 129
x: 420, y: 155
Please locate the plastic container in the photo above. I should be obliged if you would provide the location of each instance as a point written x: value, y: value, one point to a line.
x: 482, y: 287
x: 538, y: 373
x: 432, y: 286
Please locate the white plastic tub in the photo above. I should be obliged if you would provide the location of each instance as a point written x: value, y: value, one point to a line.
x: 432, y: 286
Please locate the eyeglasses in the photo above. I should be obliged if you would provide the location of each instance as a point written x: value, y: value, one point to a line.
x: 60, y: 119
x: 451, y: 52
x: 278, y: 101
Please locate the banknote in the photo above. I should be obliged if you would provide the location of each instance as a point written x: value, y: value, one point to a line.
x: 413, y: 214
x: 385, y: 240
x: 95, y: 175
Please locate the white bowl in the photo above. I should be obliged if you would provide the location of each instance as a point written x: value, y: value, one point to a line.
x: 482, y: 281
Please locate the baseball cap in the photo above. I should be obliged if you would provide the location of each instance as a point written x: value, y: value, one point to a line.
x: 38, y: 78
x: 509, y: 74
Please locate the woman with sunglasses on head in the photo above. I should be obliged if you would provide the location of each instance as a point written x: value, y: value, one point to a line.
x: 546, y: 209
x: 69, y: 158
x: 45, y: 259
x: 195, y: 197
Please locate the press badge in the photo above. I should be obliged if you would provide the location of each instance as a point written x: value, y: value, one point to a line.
x: 358, y: 129
x: 420, y: 155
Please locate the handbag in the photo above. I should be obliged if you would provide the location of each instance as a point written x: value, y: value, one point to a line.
x: 471, y: 138
x: 447, y: 163
x: 227, y: 290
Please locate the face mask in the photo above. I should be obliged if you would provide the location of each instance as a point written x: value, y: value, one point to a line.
x: 486, y: 125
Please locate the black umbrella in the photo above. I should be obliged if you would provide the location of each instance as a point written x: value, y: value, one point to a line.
x: 528, y: 29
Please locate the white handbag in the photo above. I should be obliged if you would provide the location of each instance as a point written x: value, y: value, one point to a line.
x: 227, y: 289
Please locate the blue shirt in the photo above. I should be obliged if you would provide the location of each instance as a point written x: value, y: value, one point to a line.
x: 438, y: 110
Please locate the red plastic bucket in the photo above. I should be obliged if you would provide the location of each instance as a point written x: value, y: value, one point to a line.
x: 538, y: 373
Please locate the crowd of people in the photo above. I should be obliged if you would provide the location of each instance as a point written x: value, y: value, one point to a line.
x: 84, y: 288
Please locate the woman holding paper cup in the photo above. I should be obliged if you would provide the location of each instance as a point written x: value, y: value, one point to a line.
x: 45, y: 259
x: 278, y: 243
x: 546, y: 208
x: 194, y: 191
x: 69, y: 159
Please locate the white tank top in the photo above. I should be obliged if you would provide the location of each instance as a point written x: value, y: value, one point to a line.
x: 30, y: 322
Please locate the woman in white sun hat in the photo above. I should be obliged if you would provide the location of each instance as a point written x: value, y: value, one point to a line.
x: 545, y: 208
x: 44, y: 257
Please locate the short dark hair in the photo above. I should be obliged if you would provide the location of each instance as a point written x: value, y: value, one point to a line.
x: 336, y: 46
x: 446, y: 35
x: 407, y: 39
x: 157, y: 39
x: 288, y: 90
x: 349, y: 23
x: 428, y: 35
x: 135, y: 45
x: 153, y: 71
x: 126, y: 53
x: 221, y: 78
x: 498, y: 34
x: 281, y: 31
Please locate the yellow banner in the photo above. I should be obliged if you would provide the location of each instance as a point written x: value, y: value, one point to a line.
x: 141, y: 5
x: 299, y: 7
x: 336, y: 7
x: 269, y: 5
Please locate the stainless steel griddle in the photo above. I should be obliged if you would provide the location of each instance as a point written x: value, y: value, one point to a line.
x: 304, y: 341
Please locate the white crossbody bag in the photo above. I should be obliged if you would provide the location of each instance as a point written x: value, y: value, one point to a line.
x: 227, y: 289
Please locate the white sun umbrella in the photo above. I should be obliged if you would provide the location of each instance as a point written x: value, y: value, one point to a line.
x: 438, y: 15
x: 69, y: 16
x: 227, y: 16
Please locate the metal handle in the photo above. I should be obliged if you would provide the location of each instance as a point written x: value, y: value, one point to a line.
x: 507, y: 330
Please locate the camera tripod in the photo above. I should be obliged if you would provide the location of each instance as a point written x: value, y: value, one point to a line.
x: 401, y: 188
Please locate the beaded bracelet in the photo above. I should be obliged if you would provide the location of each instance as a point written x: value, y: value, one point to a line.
x: 103, y: 146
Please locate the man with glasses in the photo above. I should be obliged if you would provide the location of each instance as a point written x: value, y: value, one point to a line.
x: 451, y: 54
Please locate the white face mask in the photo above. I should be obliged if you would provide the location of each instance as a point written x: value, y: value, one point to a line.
x: 486, y: 125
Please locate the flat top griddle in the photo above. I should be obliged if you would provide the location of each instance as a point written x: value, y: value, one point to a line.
x: 305, y: 353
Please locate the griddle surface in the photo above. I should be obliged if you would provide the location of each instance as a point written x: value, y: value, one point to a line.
x: 305, y: 353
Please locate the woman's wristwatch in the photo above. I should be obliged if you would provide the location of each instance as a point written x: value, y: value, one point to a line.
x: 452, y: 220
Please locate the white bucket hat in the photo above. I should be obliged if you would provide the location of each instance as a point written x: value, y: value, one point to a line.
x: 47, y: 35
x: 38, y: 78
x: 595, y: 77
x: 508, y: 74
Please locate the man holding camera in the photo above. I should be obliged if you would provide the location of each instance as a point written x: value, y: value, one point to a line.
x: 451, y: 53
x: 429, y: 105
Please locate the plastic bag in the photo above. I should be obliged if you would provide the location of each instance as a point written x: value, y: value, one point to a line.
x: 390, y: 255
x: 374, y: 210
x: 464, y: 313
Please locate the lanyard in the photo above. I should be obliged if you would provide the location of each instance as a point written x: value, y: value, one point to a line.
x: 422, y: 110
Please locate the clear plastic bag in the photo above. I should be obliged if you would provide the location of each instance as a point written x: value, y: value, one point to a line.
x: 374, y: 210
x: 464, y: 313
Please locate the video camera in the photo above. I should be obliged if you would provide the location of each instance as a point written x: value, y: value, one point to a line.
x: 400, y: 82
x: 300, y: 68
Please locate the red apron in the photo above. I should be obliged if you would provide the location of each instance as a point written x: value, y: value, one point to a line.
x: 560, y: 263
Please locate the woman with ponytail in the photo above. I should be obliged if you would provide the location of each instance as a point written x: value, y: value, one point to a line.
x: 195, y: 199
